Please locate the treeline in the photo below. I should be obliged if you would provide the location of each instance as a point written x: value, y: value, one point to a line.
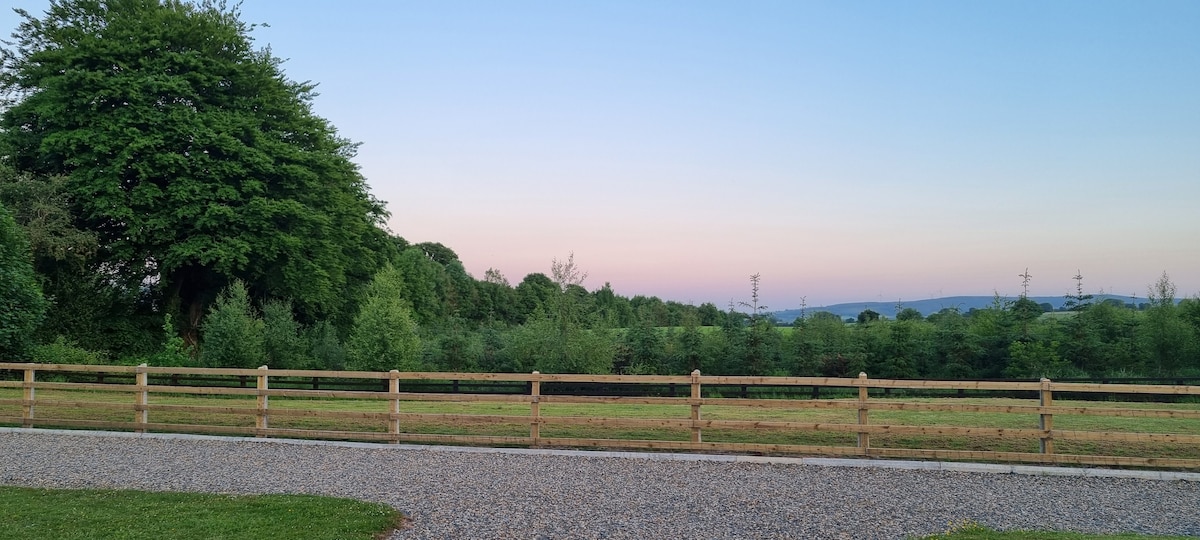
x: 168, y: 196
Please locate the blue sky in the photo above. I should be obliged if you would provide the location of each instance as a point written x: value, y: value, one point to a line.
x: 845, y: 151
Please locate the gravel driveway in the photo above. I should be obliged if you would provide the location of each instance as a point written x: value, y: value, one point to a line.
x: 451, y: 493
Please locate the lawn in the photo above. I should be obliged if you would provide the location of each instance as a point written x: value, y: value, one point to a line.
x: 35, y: 514
x: 973, y: 531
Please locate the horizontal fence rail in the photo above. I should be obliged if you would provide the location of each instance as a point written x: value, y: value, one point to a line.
x: 522, y: 411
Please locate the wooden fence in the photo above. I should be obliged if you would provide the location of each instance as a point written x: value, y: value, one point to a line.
x: 392, y: 423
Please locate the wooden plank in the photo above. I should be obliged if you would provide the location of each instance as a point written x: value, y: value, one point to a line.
x: 228, y: 372
x: 200, y: 409
x: 953, y: 407
x: 1058, y: 459
x: 676, y: 423
x: 11, y: 384
x: 466, y: 418
x: 1127, y: 388
x: 467, y: 398
x: 327, y: 394
x: 1111, y: 436
x: 86, y: 405
x: 324, y: 434
x: 82, y: 368
x: 705, y: 446
x: 616, y: 400
x: 203, y: 390
x: 616, y: 379
x: 200, y: 428
x: 779, y: 381
x: 782, y: 403
x: 1128, y: 413
x: 128, y: 388
x: 80, y: 423
x: 871, y: 383
x: 454, y: 376
x: 489, y: 440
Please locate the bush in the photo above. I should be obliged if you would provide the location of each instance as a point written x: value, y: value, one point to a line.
x: 64, y: 351
x: 233, y: 334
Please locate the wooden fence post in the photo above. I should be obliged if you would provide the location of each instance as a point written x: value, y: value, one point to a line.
x: 1046, y: 420
x: 143, y: 398
x: 535, y: 412
x: 260, y: 422
x: 27, y: 403
x: 696, y: 406
x: 394, y: 390
x: 864, y: 438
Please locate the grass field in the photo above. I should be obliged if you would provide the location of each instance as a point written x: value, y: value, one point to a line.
x: 41, y: 514
x: 519, y: 426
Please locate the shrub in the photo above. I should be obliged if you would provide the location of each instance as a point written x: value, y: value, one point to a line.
x: 233, y: 333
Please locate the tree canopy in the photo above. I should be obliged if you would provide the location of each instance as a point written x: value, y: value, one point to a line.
x: 188, y: 154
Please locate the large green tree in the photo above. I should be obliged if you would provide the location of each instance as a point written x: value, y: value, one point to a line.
x: 188, y: 153
x: 21, y: 303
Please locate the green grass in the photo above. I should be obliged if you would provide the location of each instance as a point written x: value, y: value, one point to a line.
x: 970, y: 530
x: 34, y: 514
x: 520, y: 427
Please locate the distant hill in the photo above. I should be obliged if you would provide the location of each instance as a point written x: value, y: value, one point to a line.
x: 933, y: 305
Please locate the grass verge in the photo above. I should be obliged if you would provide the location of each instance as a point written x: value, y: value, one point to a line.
x: 973, y: 531
x: 35, y: 514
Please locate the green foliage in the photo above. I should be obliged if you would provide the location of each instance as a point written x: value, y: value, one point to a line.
x: 233, y: 333
x: 868, y: 316
x: 384, y: 336
x: 21, y: 303
x: 63, y: 351
x: 40, y: 514
x: 453, y: 347
x: 326, y: 348
x: 286, y: 347
x: 644, y: 348
x: 188, y: 154
x: 541, y: 345
x: 174, y: 351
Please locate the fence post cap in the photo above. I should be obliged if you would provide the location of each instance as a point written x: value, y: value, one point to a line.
x: 696, y: 373
x: 862, y: 374
x: 535, y: 372
x: 262, y: 367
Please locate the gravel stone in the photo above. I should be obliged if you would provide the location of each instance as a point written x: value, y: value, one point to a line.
x: 452, y: 493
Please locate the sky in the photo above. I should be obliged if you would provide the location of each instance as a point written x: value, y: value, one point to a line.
x: 844, y: 151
